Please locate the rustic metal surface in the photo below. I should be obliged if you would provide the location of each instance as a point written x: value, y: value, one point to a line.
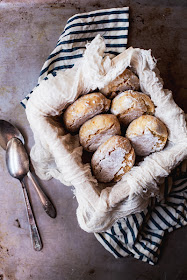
x: 28, y: 33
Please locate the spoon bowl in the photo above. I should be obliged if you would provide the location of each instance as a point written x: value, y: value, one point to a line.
x: 7, y: 131
x: 17, y: 159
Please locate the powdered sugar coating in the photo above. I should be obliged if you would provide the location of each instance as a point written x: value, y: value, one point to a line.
x: 127, y: 80
x: 113, y: 159
x: 130, y: 105
x: 85, y: 108
x: 97, y: 130
x: 147, y: 135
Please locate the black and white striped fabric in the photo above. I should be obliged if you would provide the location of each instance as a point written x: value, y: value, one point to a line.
x: 139, y: 235
x: 81, y: 29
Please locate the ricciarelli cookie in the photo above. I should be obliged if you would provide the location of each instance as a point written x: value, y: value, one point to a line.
x: 113, y: 159
x: 130, y: 105
x: 126, y: 81
x: 83, y: 109
x: 96, y: 131
x: 147, y: 135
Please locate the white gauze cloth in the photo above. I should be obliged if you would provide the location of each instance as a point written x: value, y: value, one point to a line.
x: 59, y: 155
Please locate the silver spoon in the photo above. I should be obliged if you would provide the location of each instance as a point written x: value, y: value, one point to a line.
x: 8, y: 131
x: 17, y: 162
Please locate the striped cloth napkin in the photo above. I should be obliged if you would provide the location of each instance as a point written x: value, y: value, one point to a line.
x: 139, y: 235
x: 81, y: 29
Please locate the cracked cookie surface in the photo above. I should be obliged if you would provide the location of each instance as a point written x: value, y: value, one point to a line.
x: 113, y: 159
x: 125, y: 81
x: 147, y: 135
x: 130, y: 105
x: 97, y: 130
x: 84, y: 108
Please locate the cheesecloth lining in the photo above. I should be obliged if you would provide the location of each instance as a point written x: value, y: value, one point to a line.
x: 58, y: 155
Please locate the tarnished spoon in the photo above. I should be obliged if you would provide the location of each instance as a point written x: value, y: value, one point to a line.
x: 8, y: 131
x: 17, y: 162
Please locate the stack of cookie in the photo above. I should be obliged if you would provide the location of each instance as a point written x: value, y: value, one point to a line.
x: 115, y: 124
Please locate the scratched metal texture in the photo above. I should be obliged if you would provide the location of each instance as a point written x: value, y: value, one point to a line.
x: 28, y: 33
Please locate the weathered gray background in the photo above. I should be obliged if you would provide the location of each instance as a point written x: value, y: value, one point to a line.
x: 28, y: 33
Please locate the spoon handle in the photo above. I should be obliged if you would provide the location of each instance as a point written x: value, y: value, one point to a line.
x: 35, y: 237
x: 46, y: 203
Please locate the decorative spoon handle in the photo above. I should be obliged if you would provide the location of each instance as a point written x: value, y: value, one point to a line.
x: 35, y: 237
x: 46, y: 203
